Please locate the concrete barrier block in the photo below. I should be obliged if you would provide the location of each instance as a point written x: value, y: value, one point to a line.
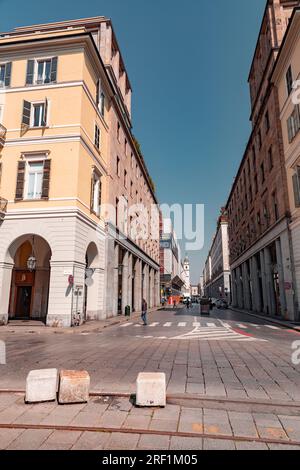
x: 151, y: 389
x: 41, y: 385
x: 74, y: 387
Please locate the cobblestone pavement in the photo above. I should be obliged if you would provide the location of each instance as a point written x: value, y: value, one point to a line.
x: 216, y: 361
x: 114, y: 423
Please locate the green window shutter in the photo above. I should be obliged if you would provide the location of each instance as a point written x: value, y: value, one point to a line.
x: 296, y: 190
x: 20, y: 181
x: 30, y: 72
x: 44, y: 122
x: 92, y: 193
x: 53, y: 75
x: 46, y: 179
x: 26, y: 113
x: 7, y: 77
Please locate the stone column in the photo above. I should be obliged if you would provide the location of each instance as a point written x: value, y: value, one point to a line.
x: 66, y: 302
x: 146, y: 283
x: 125, y: 279
x: 264, y: 282
x: 110, y: 273
x: 138, y: 286
x: 240, y: 294
x: 157, y: 289
x: 270, y: 282
x: 281, y: 278
x: 5, y: 283
x: 246, y: 289
x: 130, y: 277
x: 151, y: 280
x: 115, y: 290
x: 233, y: 289
x: 256, y: 289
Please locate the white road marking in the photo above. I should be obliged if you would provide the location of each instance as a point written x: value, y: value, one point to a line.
x: 211, y: 325
x: 126, y: 324
x: 137, y: 325
x: 226, y: 325
x: 196, y: 324
x: 272, y: 327
x: 153, y: 325
x: 168, y: 324
x: 243, y: 327
x: 181, y: 324
x: 215, y: 334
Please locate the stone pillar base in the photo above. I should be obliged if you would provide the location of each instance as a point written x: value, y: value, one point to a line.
x: 59, y: 321
x: 3, y: 319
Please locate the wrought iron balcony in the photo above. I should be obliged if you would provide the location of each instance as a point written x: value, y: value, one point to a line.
x: 2, y: 136
x: 3, y: 207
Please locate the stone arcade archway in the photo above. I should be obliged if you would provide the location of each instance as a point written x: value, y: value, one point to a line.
x: 28, y: 289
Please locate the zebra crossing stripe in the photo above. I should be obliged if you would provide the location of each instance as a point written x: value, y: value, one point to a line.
x: 168, y: 324
x: 126, y: 324
x: 181, y: 324
x: 272, y: 327
x: 243, y: 327
x: 153, y: 325
x: 196, y: 324
x: 211, y: 325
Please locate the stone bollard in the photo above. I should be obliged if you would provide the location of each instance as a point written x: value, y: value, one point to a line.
x: 151, y: 390
x: 41, y: 385
x: 74, y: 387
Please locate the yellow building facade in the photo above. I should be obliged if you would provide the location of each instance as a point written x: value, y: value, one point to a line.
x: 62, y: 259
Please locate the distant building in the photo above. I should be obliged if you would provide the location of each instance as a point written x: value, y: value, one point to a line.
x: 171, y: 279
x: 194, y: 291
x: 186, y: 277
x: 216, y: 272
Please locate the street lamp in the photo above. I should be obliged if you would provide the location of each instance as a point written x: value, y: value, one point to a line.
x: 31, y: 262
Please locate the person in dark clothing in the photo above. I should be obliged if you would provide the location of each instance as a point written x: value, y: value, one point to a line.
x: 144, y: 312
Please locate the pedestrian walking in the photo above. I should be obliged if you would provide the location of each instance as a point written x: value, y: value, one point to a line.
x: 174, y: 304
x: 144, y: 312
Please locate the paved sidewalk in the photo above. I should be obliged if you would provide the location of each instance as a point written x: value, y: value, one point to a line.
x: 276, y: 321
x: 114, y: 423
x: 88, y: 327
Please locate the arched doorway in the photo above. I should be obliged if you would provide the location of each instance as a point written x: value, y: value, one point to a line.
x: 29, y: 289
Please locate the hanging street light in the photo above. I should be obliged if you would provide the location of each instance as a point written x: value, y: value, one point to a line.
x: 31, y: 262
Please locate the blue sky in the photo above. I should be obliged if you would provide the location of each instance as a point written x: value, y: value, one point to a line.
x: 188, y: 63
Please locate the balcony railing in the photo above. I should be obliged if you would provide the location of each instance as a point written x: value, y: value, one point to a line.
x: 3, y: 207
x: 2, y: 136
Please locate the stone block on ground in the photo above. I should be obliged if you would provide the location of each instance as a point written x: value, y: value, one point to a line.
x: 151, y: 390
x: 41, y: 385
x: 74, y: 387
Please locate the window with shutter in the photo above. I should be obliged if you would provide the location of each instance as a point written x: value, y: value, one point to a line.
x: 53, y: 76
x: 41, y: 71
x: 30, y: 72
x: 5, y: 74
x: 20, y: 181
x: 46, y: 179
x: 26, y: 113
x: 296, y: 190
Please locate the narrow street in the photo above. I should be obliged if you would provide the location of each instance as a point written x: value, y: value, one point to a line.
x: 230, y: 384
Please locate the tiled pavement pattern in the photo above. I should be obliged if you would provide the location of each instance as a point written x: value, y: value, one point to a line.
x: 256, y: 370
x: 120, y: 413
